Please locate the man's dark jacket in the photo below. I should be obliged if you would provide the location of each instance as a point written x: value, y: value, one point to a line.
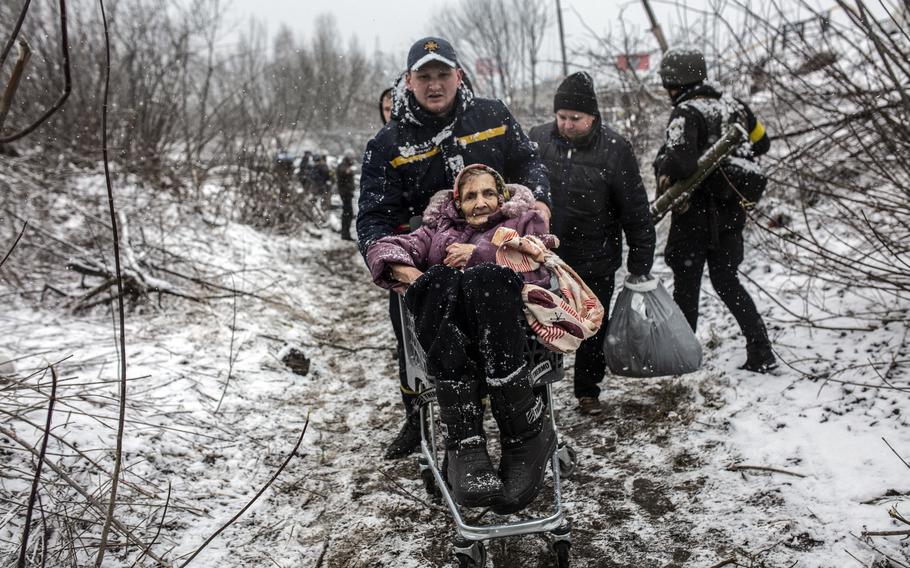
x: 417, y: 154
x: 597, y: 195
x: 344, y: 173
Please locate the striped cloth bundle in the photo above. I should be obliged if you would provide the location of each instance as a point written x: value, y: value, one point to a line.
x: 561, y: 321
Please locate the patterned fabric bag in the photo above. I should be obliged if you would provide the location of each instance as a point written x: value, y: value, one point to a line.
x: 560, y: 322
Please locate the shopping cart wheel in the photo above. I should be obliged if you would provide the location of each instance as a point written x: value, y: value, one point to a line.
x: 561, y: 549
x: 567, y: 460
x: 560, y: 542
x: 470, y: 554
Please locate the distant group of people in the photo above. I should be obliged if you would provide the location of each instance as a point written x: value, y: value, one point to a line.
x: 317, y: 180
x: 449, y: 169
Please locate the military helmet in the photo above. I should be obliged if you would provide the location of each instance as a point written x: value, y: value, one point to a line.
x: 681, y: 67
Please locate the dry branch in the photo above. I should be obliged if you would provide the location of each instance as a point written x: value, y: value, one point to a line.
x: 885, y: 533
x: 67, y: 80
x: 92, y: 502
x: 25, y: 52
x: 15, y: 33
x: 227, y: 380
x: 41, y: 456
x: 895, y: 452
x: 158, y: 531
x: 16, y: 242
x: 121, y: 421
x: 259, y: 493
x: 739, y: 467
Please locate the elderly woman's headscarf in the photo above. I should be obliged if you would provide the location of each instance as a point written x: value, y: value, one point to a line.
x: 501, y: 186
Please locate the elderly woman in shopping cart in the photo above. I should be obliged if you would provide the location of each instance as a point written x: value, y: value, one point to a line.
x: 469, y: 320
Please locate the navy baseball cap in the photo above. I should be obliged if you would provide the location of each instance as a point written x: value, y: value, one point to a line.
x: 431, y: 49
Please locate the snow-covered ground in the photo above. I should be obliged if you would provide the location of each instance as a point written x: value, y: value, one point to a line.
x: 777, y: 471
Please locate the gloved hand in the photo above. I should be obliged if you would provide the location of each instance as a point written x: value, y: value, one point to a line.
x: 638, y: 278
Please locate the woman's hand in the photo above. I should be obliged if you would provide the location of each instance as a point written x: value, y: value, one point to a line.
x: 404, y: 274
x: 458, y: 255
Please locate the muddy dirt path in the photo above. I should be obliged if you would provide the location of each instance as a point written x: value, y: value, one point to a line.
x: 633, y: 501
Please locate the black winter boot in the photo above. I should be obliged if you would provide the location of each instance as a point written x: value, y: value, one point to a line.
x: 759, y: 357
x: 528, y: 439
x: 408, y: 439
x: 468, y: 469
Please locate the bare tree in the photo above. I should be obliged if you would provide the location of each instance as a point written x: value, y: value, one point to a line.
x: 501, y: 40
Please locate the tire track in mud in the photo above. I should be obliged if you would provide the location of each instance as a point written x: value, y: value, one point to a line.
x: 633, y: 501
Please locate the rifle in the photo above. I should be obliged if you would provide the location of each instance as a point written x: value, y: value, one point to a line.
x: 679, y: 192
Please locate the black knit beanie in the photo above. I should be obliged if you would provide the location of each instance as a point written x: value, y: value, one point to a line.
x: 576, y: 92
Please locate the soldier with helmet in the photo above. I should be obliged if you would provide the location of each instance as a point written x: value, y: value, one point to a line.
x: 708, y: 228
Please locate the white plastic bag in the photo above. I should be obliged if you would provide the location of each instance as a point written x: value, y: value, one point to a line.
x: 648, y: 335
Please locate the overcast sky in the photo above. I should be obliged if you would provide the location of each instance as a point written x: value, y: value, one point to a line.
x: 394, y: 25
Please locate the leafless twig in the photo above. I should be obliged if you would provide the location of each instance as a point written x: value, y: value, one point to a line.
x: 160, y: 525
x: 41, y: 456
x: 895, y: 452
x: 16, y: 242
x: 408, y: 493
x: 67, y: 81
x: 227, y: 381
x: 259, y: 493
x: 118, y: 455
x: 885, y: 533
x: 739, y: 467
x: 98, y: 507
x: 15, y: 33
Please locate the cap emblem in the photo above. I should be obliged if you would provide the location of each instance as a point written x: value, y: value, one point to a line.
x: 431, y: 46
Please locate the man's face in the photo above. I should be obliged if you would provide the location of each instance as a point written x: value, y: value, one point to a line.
x: 386, y: 109
x: 573, y: 124
x: 434, y: 86
x: 478, y: 199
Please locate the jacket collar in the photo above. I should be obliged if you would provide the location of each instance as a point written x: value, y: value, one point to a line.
x: 589, y: 140
x: 698, y: 90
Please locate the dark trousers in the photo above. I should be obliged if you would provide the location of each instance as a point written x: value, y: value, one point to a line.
x: 590, y: 363
x: 469, y: 323
x: 407, y: 395
x: 687, y: 259
x: 347, y: 215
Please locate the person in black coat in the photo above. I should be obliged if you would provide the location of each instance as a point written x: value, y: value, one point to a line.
x: 597, y: 195
x: 344, y: 174
x: 708, y: 228
x: 437, y: 128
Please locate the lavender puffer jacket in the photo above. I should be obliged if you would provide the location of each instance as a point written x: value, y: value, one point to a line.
x: 443, y: 226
